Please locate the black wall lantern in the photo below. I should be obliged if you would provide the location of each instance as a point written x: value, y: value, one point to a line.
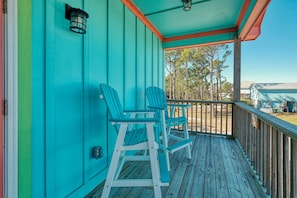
x: 187, y: 4
x: 77, y: 18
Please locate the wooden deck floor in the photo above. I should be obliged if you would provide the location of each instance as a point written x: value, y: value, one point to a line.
x: 217, y: 169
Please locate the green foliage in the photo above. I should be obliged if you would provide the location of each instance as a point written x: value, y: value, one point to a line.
x: 196, y: 73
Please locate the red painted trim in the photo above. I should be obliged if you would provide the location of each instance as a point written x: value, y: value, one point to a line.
x: 249, y: 31
x: 256, y: 30
x: 243, y: 12
x: 201, y: 34
x: 199, y: 45
x: 140, y: 15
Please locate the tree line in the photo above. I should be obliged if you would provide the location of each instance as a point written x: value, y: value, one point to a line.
x: 196, y: 73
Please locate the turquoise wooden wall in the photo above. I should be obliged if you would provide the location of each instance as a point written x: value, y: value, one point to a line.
x: 67, y: 68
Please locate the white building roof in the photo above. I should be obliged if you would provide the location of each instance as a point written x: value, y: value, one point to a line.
x: 246, y: 84
x: 275, y: 86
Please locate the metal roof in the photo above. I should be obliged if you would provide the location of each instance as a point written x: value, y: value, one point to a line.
x: 208, y: 21
x: 246, y: 84
x: 276, y: 86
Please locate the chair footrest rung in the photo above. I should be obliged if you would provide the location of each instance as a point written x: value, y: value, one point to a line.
x: 179, y: 145
x: 135, y: 183
x: 132, y: 182
x: 164, y: 173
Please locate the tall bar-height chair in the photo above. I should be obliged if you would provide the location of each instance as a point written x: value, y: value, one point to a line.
x: 157, y: 101
x: 135, y: 134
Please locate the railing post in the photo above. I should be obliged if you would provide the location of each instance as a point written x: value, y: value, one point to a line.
x: 236, y: 78
x: 237, y: 68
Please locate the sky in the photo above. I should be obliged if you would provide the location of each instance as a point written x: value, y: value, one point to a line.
x: 272, y: 57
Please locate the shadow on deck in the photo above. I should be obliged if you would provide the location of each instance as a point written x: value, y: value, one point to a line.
x: 217, y: 169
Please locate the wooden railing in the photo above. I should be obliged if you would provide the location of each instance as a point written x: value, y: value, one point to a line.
x: 270, y: 144
x: 213, y: 117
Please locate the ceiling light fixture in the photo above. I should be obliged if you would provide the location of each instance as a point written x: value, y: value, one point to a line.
x: 187, y: 4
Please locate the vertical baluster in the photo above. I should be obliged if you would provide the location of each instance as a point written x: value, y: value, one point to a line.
x: 265, y: 157
x: 221, y: 119
x: 287, y: 167
x: 280, y: 165
x: 196, y: 117
x: 226, y: 120
x: 201, y: 116
x: 260, y: 151
x: 274, y: 180
x: 294, y: 168
x: 269, y: 158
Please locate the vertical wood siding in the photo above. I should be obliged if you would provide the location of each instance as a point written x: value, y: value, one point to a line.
x: 67, y: 68
x: 38, y: 99
x: 24, y: 99
x: 140, y: 64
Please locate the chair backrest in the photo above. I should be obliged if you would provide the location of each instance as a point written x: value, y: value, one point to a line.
x: 112, y: 101
x: 157, y: 98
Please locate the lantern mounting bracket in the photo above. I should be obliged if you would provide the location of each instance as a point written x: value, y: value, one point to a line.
x: 77, y: 18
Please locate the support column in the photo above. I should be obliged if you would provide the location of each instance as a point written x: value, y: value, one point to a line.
x: 236, y: 83
x: 237, y: 69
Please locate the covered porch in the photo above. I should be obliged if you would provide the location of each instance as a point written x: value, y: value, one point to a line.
x: 255, y: 158
x: 56, y: 117
x: 218, y: 169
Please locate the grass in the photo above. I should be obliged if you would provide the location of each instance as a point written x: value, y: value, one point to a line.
x: 286, y: 116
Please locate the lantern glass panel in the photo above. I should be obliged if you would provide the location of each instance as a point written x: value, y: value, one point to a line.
x: 78, y: 22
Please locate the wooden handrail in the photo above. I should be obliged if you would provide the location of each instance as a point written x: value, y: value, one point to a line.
x: 270, y: 145
x: 287, y: 128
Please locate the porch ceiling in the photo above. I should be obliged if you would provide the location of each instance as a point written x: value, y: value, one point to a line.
x: 208, y: 21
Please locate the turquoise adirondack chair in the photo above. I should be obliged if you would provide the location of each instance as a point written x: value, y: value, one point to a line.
x: 157, y: 101
x: 135, y: 134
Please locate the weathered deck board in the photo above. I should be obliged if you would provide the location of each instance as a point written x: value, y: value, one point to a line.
x: 221, y: 178
x: 191, y: 170
x: 209, y: 174
x: 198, y: 177
x: 180, y: 164
x: 233, y: 186
x: 217, y: 169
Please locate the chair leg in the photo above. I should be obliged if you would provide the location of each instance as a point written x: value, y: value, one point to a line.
x: 167, y: 159
x: 153, y: 150
x: 186, y: 136
x: 165, y: 139
x: 114, y: 162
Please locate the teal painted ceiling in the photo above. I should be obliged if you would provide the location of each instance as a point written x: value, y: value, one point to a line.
x: 208, y: 21
x: 170, y: 19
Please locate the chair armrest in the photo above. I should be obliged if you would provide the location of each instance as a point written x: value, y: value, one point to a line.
x: 180, y: 105
x: 141, y: 111
x: 135, y: 120
x: 157, y: 108
x: 132, y: 113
